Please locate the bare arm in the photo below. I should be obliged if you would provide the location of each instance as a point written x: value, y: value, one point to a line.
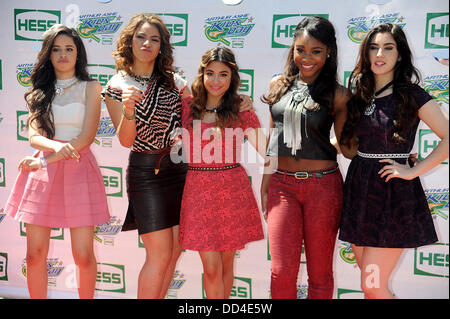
x: 67, y: 150
x: 340, y: 106
x: 90, y: 122
x: 270, y: 163
x: 126, y: 128
x: 437, y: 120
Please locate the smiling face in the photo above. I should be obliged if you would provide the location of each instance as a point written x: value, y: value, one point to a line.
x: 310, y: 56
x: 64, y: 56
x: 217, y: 80
x: 383, y: 55
x: 146, y: 44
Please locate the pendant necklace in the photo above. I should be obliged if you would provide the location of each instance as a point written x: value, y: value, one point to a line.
x: 214, y: 110
x: 62, y: 85
x: 371, y: 107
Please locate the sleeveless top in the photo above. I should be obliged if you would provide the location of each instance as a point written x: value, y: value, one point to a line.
x: 158, y: 115
x: 301, y: 126
x: 68, y: 109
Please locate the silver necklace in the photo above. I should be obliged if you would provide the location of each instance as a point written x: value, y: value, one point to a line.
x: 299, y: 91
x: 62, y: 85
x: 371, y: 107
x: 300, y: 94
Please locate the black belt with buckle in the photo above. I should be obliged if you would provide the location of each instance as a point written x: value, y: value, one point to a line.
x: 213, y: 168
x: 305, y: 175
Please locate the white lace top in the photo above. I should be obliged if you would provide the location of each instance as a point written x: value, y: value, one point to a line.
x: 68, y: 109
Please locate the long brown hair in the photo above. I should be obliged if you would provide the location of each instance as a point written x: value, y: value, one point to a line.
x: 228, y: 113
x: 42, y: 91
x: 163, y: 70
x: 362, y: 84
x: 326, y: 83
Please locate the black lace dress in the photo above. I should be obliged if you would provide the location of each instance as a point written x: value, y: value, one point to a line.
x: 376, y: 213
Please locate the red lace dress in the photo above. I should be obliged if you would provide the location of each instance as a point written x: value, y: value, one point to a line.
x: 218, y: 210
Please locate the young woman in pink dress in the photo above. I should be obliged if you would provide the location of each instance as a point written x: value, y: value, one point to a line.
x: 61, y: 184
x: 219, y: 214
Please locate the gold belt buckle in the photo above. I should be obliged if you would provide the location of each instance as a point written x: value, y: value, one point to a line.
x: 301, y: 175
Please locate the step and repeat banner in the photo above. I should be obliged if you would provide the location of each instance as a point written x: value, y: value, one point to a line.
x: 259, y: 32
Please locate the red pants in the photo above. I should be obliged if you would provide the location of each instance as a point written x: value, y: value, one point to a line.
x: 306, y: 210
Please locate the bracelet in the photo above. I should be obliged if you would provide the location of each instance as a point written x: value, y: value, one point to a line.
x: 43, y: 162
x: 129, y: 118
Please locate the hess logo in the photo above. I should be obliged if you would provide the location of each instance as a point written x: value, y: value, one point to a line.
x: 283, y: 28
x: 110, y: 278
x: 432, y: 260
x: 177, y: 24
x: 437, y: 31
x: 112, y: 179
x: 29, y: 24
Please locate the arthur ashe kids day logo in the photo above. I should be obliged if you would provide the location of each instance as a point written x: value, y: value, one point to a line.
x: 358, y: 27
x: 438, y: 202
x: 106, y: 232
x: 99, y: 27
x: 24, y: 71
x: 229, y: 30
x: 55, y: 268
x: 437, y: 87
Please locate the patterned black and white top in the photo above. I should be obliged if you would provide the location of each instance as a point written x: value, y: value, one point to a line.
x: 158, y: 115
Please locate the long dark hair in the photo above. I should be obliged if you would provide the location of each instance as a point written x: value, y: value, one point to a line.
x: 42, y: 91
x: 362, y: 84
x: 229, y: 110
x: 326, y: 83
x: 163, y: 70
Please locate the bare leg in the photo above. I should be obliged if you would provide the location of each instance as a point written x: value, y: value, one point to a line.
x: 228, y: 271
x: 212, y: 274
x: 376, y: 266
x: 158, y: 247
x: 82, y: 239
x: 176, y: 252
x: 358, y: 251
x: 38, y: 241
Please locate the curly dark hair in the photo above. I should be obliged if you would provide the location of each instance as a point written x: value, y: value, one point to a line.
x: 42, y: 91
x: 228, y: 113
x: 163, y: 70
x: 326, y: 83
x: 362, y: 85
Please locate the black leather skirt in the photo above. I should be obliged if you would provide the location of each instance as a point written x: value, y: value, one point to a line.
x: 154, y: 200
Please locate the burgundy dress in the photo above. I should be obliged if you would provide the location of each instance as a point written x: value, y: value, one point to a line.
x: 218, y: 210
x: 379, y: 214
